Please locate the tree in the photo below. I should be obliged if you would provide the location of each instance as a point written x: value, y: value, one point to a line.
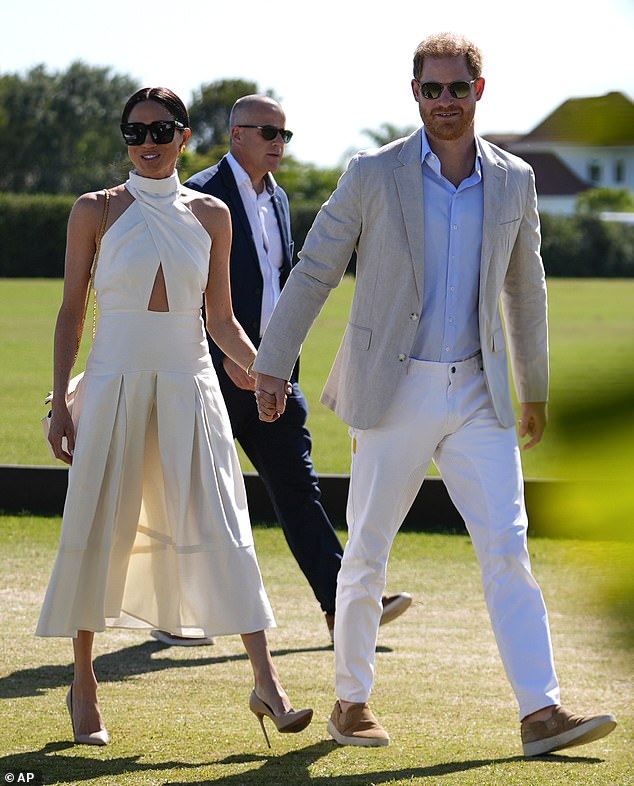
x: 597, y: 200
x: 210, y: 110
x: 306, y: 182
x: 388, y: 132
x: 59, y: 132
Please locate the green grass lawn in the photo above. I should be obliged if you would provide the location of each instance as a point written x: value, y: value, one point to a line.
x: 180, y: 716
x: 592, y: 351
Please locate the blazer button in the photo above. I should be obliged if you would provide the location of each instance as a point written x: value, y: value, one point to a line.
x: 402, y: 357
x: 413, y: 316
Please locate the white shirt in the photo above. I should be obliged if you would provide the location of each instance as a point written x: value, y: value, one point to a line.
x: 266, y: 236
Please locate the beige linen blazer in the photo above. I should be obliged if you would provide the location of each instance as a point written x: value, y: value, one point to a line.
x: 377, y: 209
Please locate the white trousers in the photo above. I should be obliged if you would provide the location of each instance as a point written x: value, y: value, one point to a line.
x: 442, y: 412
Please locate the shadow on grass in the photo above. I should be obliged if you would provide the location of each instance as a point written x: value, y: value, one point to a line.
x: 292, y: 767
x: 51, y: 766
x: 119, y: 666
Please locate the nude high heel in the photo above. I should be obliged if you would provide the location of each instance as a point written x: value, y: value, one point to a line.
x: 288, y: 723
x: 100, y: 737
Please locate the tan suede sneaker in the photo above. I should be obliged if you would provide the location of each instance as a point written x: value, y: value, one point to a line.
x: 357, y: 726
x: 563, y: 730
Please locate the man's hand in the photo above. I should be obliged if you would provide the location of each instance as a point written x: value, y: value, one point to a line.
x: 271, y: 394
x: 533, y: 422
x: 238, y: 375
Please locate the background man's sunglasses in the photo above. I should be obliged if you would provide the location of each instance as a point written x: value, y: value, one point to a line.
x: 161, y: 131
x: 433, y: 90
x: 270, y: 132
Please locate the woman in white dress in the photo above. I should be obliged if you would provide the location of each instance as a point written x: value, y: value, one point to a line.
x: 156, y: 532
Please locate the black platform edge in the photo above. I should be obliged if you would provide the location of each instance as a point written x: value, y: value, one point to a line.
x: 40, y: 490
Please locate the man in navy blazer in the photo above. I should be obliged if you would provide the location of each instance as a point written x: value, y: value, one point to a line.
x: 261, y: 258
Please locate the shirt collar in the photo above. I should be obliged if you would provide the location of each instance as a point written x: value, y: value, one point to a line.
x: 242, y: 178
x: 428, y: 155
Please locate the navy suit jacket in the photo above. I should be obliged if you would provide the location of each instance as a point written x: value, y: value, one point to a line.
x: 246, y: 277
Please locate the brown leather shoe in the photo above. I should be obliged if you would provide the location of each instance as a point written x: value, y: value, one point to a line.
x: 357, y: 726
x: 563, y: 730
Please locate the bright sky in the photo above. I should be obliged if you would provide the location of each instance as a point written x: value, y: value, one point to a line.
x: 339, y: 66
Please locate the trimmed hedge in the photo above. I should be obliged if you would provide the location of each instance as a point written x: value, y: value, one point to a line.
x: 33, y: 235
x: 572, y: 246
x: 33, y: 239
x: 586, y: 247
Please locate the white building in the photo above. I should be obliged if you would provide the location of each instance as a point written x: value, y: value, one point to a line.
x: 585, y: 143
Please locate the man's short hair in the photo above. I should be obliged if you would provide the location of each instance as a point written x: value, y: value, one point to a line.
x: 448, y: 45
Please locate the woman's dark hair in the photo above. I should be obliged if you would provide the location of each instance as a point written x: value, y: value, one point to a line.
x: 162, y: 95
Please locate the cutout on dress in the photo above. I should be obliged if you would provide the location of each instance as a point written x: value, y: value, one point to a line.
x: 158, y: 297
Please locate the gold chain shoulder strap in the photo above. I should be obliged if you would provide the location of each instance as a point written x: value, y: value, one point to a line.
x: 93, y: 269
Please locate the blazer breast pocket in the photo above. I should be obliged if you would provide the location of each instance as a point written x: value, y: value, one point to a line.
x: 510, y: 224
x: 507, y: 232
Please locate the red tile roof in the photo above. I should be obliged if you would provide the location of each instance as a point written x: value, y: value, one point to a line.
x: 552, y: 176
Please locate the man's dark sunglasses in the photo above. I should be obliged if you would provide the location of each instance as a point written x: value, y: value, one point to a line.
x: 161, y: 131
x: 433, y: 90
x: 270, y: 132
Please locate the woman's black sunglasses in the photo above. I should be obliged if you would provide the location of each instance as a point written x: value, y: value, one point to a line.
x: 270, y: 132
x: 161, y: 131
x: 433, y: 90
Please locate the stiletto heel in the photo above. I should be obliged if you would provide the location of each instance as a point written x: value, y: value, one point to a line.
x: 100, y: 737
x: 288, y: 723
x: 260, y: 717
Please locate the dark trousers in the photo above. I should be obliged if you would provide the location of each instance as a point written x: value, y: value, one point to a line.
x: 280, y: 452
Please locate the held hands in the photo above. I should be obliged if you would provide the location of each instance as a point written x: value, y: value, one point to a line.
x: 271, y: 394
x: 532, y: 422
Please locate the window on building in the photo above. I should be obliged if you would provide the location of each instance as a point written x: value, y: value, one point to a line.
x: 619, y: 171
x: 594, y: 171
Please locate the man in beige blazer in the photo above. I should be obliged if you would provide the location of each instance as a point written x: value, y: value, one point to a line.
x: 446, y: 230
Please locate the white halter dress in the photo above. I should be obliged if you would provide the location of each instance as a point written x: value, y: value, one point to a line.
x: 156, y: 531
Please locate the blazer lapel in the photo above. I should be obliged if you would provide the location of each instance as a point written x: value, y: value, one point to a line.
x: 278, y: 207
x: 238, y: 213
x: 494, y: 175
x: 409, y: 183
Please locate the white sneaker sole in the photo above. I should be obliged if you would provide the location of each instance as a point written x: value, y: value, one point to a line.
x: 361, y: 742
x: 394, y: 609
x: 165, y: 638
x: 587, y: 732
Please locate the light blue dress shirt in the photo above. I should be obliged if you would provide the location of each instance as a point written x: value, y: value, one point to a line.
x: 448, y: 330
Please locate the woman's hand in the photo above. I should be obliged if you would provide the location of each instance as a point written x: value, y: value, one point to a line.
x: 237, y: 374
x: 61, y: 435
